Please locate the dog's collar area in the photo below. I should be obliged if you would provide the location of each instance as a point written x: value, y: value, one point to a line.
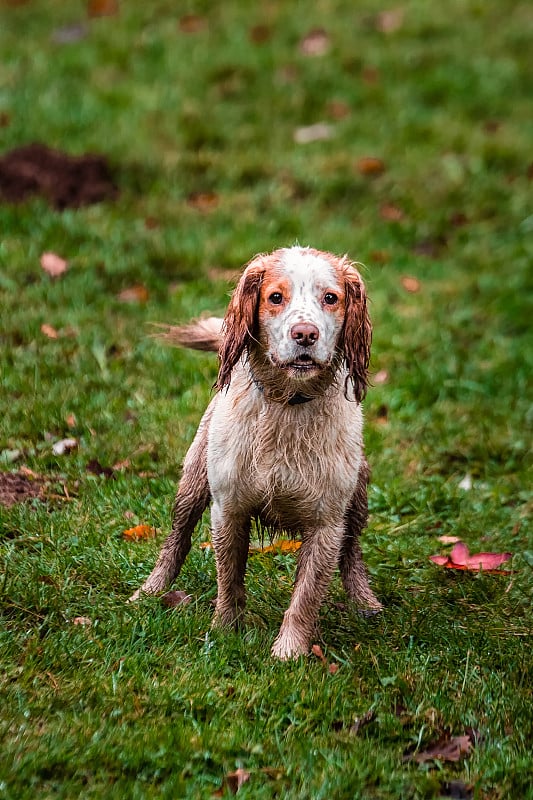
x: 294, y: 400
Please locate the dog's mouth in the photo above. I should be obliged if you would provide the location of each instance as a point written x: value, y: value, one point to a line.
x: 303, y: 363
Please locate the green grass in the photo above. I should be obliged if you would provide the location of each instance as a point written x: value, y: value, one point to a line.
x: 148, y: 702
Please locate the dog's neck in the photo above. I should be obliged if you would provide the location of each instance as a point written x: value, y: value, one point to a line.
x: 284, y: 391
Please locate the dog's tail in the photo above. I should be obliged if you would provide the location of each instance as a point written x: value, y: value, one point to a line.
x: 202, y: 334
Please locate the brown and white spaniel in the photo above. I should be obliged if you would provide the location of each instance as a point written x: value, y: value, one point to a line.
x: 282, y: 440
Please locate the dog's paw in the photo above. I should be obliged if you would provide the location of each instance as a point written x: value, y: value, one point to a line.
x: 288, y: 647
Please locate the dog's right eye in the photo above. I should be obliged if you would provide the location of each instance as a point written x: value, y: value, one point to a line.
x: 276, y: 298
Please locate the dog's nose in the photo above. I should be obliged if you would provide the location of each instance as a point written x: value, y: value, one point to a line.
x: 305, y: 334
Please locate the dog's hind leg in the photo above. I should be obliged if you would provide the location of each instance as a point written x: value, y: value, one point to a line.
x: 192, y: 499
x: 351, y: 565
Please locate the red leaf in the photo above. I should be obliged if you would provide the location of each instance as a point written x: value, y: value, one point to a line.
x: 460, y: 558
x: 459, y: 554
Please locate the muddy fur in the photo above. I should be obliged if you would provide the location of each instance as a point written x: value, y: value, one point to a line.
x: 282, y: 440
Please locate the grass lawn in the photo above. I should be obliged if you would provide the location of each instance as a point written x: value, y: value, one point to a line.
x: 201, y: 108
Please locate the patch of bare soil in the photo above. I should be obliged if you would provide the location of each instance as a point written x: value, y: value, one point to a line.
x: 15, y: 487
x: 64, y: 181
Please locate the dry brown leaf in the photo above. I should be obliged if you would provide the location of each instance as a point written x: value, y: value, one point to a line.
x: 338, y: 109
x: 203, y: 201
x: 53, y: 264
x: 315, y: 43
x: 391, y: 213
x: 411, y: 284
x: 233, y: 782
x: 260, y: 34
x: 370, y: 165
x: 448, y: 539
x: 133, y: 294
x: 49, y: 331
x: 192, y: 23
x: 102, y: 8
x: 139, y: 532
x: 380, y: 256
x: 453, y: 749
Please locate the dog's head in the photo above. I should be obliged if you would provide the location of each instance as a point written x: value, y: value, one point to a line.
x: 303, y: 312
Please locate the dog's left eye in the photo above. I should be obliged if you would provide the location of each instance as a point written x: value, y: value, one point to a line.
x: 276, y: 298
x: 330, y: 299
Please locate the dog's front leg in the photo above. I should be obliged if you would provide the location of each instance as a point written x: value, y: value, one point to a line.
x: 231, y: 538
x: 317, y: 560
x: 192, y: 499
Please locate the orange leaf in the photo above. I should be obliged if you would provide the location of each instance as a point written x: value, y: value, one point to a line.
x: 134, y: 294
x: 53, y: 264
x: 139, y: 532
x: 410, y: 284
x: 281, y: 546
x: 369, y: 165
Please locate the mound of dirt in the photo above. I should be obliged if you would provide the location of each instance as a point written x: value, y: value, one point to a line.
x: 64, y: 181
x: 15, y: 487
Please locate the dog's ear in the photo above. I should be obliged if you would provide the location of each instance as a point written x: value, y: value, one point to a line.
x: 356, y: 336
x: 240, y: 322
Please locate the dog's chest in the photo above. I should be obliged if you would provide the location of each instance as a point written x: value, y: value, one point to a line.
x: 287, y: 464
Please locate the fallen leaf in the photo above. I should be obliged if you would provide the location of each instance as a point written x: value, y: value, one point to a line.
x: 313, y: 133
x: 380, y: 256
x: 139, y: 532
x: 333, y: 668
x: 83, y: 621
x: 410, y: 284
x: 460, y: 558
x: 370, y: 75
x: 53, y: 264
x: 203, y: 201
x: 281, y: 546
x: 453, y: 749
x: 315, y: 43
x: 206, y: 546
x: 176, y: 598
x: 260, y: 34
x: 391, y: 213
x: 49, y: 331
x: 318, y: 652
x: 192, y: 23
x: 370, y: 165
x: 133, y: 294
x: 233, y: 781
x: 338, y: 109
x: 64, y: 446
x: 382, y: 376
x: 102, y: 8
x: 390, y: 21
x: 93, y: 466
x: 448, y: 539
